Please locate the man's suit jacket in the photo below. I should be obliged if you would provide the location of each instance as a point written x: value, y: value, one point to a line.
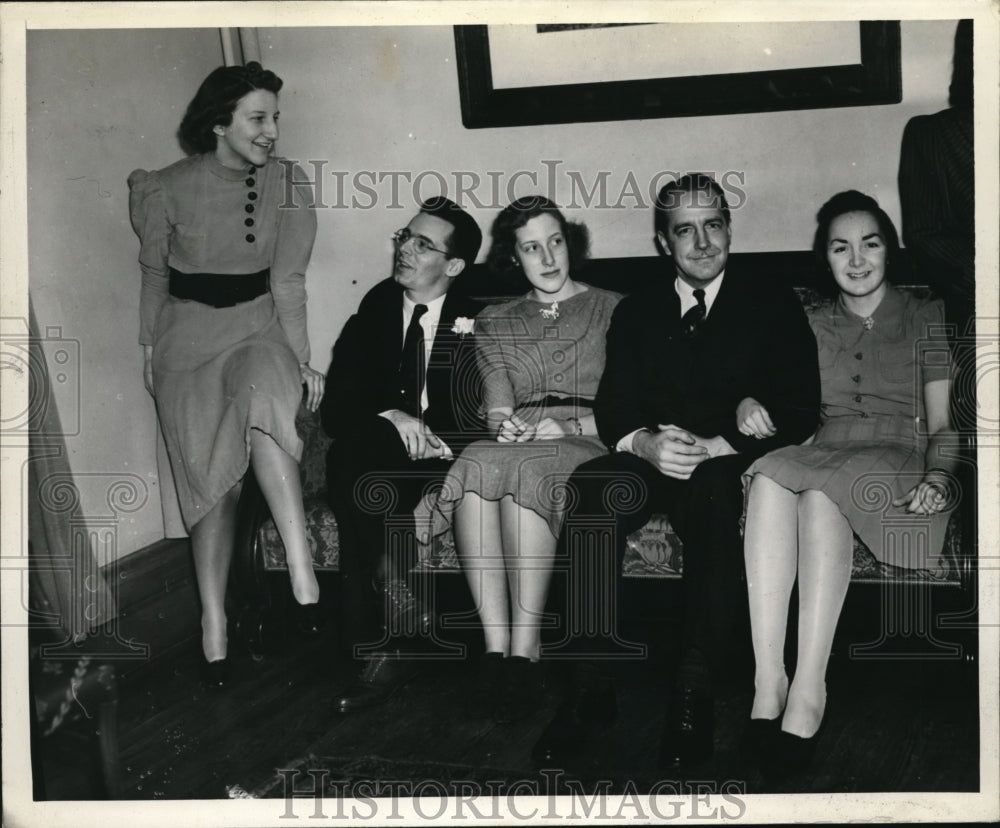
x: 937, y: 194
x: 362, y: 380
x: 756, y: 342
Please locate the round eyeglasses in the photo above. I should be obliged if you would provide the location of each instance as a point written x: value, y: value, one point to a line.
x: 420, y: 243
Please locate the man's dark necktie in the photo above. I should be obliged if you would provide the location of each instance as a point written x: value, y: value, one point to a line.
x: 692, y: 321
x: 411, y: 365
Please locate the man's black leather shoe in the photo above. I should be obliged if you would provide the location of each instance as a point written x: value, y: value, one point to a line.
x: 689, y: 728
x: 382, y: 676
x: 577, y: 717
x: 405, y: 614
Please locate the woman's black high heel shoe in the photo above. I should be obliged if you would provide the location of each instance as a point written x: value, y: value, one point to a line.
x: 791, y: 755
x: 309, y: 619
x: 759, y: 738
x: 215, y: 675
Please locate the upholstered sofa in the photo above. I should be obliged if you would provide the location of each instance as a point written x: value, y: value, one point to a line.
x: 653, y: 552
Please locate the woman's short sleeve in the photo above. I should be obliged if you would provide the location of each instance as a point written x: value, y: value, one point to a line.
x: 933, y: 350
x: 497, y: 389
x: 148, y: 213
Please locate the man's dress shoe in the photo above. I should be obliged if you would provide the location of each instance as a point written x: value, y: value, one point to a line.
x: 405, y: 614
x: 382, y: 675
x: 689, y: 728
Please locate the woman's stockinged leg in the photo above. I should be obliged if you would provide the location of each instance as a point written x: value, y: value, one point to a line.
x: 770, y: 549
x: 277, y: 474
x: 212, y: 545
x: 825, y: 558
x: 529, y: 549
x: 478, y: 543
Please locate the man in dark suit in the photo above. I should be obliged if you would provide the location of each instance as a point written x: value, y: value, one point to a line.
x: 402, y: 399
x: 937, y: 196
x: 705, y: 372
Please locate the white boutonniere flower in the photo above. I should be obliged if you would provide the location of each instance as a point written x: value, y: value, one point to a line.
x: 463, y: 325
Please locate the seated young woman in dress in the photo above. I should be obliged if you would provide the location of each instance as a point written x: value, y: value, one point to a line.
x: 881, y: 453
x: 542, y: 356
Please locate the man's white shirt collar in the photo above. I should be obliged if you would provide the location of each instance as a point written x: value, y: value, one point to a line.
x: 686, y: 293
x: 429, y: 320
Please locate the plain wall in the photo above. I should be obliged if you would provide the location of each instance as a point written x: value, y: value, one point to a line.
x: 386, y: 99
x: 101, y: 103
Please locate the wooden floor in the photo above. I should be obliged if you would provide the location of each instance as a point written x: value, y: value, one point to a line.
x: 893, y: 724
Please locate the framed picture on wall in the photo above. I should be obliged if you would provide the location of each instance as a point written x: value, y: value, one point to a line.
x: 520, y: 75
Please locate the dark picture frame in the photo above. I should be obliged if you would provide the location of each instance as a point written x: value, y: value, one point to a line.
x: 877, y: 79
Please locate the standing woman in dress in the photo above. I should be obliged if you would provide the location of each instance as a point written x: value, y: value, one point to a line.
x: 542, y: 356
x: 226, y: 235
x: 881, y: 466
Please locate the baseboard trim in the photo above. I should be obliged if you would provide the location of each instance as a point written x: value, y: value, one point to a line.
x: 157, y: 597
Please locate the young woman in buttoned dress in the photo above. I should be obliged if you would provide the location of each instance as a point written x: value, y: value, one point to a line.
x: 878, y: 466
x: 226, y: 235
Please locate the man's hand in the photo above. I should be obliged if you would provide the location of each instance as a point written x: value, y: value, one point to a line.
x: 753, y: 420
x: 421, y: 443
x: 672, y: 450
x: 715, y: 446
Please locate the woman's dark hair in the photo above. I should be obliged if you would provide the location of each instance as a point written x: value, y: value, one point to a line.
x: 851, y: 201
x: 216, y: 100
x: 502, y: 259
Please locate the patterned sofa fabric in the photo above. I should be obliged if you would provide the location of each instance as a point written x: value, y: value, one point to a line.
x: 654, y: 551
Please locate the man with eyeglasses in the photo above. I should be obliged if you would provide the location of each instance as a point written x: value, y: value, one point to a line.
x: 402, y: 399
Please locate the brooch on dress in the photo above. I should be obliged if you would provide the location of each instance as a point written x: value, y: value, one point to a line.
x: 868, y: 324
x: 551, y: 312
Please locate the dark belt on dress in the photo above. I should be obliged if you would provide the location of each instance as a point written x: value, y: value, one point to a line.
x: 552, y: 401
x: 220, y: 290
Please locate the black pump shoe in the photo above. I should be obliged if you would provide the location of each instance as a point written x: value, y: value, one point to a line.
x: 483, y: 696
x: 309, y: 619
x: 577, y: 717
x: 522, y: 686
x: 791, y: 755
x: 759, y: 738
x: 215, y: 675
